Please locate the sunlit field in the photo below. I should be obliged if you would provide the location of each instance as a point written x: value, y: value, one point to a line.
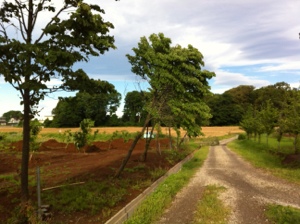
x: 208, y: 131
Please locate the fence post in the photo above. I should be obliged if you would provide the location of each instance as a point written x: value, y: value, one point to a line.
x: 38, y: 180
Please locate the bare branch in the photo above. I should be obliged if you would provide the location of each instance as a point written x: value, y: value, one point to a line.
x: 3, y: 30
x: 36, y: 12
x: 22, y: 23
x: 51, y: 21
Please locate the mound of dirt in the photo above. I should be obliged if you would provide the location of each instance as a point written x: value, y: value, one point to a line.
x: 292, y: 160
x: 61, y: 162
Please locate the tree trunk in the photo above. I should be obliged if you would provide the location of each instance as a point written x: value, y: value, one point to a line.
x: 27, y: 118
x: 295, y: 144
x: 182, y: 139
x: 25, y: 155
x: 125, y: 160
x: 143, y: 157
x: 157, y: 145
x: 27, y: 112
x: 170, y: 138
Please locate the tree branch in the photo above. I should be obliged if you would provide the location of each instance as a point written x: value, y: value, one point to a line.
x: 51, y: 21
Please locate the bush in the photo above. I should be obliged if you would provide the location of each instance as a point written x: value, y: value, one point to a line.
x: 242, y: 137
x: 2, y: 136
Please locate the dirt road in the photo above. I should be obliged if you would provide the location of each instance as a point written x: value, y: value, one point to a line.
x: 248, y: 189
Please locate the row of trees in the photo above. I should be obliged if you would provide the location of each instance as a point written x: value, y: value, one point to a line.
x: 280, y: 114
x: 230, y: 107
x: 101, y: 103
x: 226, y: 109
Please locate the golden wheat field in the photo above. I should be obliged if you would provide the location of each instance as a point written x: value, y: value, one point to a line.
x: 208, y: 131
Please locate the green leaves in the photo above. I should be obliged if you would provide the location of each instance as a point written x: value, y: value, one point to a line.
x: 51, y: 52
x: 177, y: 82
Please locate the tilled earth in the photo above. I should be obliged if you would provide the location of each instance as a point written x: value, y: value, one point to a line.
x: 248, y: 190
x: 62, y: 163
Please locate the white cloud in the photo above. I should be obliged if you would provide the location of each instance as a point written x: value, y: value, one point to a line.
x: 286, y: 66
x: 262, y: 36
x: 226, y: 80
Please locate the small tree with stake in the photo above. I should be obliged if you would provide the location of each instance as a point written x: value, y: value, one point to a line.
x: 36, y: 55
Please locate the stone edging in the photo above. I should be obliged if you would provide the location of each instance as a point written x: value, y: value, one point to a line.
x: 128, y: 210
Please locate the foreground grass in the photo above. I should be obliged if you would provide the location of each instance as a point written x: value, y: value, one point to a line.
x: 211, y: 209
x: 153, y: 207
x: 283, y: 214
x: 263, y: 156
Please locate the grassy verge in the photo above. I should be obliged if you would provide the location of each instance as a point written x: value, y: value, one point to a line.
x: 282, y: 214
x: 211, y: 209
x: 262, y: 156
x: 163, y: 195
x: 269, y: 157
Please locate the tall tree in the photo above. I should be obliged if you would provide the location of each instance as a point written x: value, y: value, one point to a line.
x: 224, y: 110
x: 290, y: 119
x: 277, y: 94
x: 242, y: 94
x: 176, y: 78
x: 134, y: 107
x: 269, y: 118
x: 16, y: 114
x: 30, y: 55
x: 97, y: 103
x: 248, y: 124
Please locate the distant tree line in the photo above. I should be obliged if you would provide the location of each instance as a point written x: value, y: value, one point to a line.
x: 228, y: 108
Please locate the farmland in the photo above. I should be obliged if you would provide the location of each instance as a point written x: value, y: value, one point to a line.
x: 62, y: 164
x: 208, y: 131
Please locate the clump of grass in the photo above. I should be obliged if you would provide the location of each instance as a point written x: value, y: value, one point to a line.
x: 162, y: 196
x: 10, y: 137
x: 174, y: 156
x: 141, y: 184
x: 211, y: 209
x: 139, y: 167
x: 91, y: 196
x: 157, y: 173
x: 282, y: 214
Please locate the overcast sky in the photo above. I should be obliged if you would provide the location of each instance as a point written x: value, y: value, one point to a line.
x: 245, y: 42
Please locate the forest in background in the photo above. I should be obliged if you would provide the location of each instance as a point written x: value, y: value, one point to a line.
x: 227, y: 109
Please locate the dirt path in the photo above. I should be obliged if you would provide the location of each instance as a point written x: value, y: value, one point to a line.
x: 248, y: 189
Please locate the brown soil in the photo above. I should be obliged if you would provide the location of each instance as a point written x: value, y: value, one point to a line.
x: 99, y: 161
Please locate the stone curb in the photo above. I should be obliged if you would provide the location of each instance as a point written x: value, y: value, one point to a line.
x: 128, y: 210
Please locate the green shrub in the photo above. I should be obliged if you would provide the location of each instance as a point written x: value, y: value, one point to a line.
x: 2, y: 136
x: 242, y: 136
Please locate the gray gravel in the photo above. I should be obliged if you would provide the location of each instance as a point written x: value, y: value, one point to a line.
x: 248, y: 189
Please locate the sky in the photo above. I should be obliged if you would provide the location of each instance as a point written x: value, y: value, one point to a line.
x: 245, y: 42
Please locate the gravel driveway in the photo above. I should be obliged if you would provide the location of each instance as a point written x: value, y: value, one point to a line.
x: 248, y: 189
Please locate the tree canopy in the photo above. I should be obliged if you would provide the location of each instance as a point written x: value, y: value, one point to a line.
x: 134, y: 112
x: 177, y: 82
x: 97, y: 104
x: 177, y: 85
x: 32, y: 53
x: 16, y: 114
